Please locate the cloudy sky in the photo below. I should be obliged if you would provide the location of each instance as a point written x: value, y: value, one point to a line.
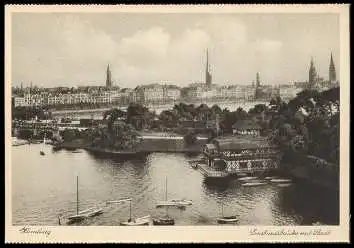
x: 74, y: 49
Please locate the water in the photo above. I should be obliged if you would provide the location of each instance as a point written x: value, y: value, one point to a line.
x: 45, y: 186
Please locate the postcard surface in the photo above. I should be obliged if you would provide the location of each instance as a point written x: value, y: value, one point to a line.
x: 159, y: 124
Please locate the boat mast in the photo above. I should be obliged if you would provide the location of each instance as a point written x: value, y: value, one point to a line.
x: 130, y: 210
x: 222, y: 209
x: 166, y: 207
x: 77, y: 194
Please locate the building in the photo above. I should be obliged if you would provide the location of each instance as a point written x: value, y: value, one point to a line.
x: 19, y: 101
x: 171, y: 92
x: 239, y: 154
x: 246, y: 127
x: 288, y: 92
x: 312, y: 75
x: 152, y: 93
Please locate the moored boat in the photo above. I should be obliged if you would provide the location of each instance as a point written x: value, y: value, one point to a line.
x: 175, y: 202
x: 141, y: 221
x: 283, y: 185
x: 247, y: 178
x: 231, y: 219
x: 163, y: 221
x: 250, y: 184
x: 87, y: 213
x: 280, y: 180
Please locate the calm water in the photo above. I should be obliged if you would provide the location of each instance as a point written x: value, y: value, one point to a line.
x: 44, y: 186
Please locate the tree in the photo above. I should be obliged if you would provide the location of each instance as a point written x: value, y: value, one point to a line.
x: 190, y: 138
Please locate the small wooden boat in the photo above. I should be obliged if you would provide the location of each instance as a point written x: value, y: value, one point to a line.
x: 242, y: 174
x: 226, y: 219
x: 247, y: 178
x: 269, y: 178
x: 87, y: 213
x: 283, y: 185
x: 41, y: 153
x: 164, y: 221
x: 250, y: 184
x: 142, y: 221
x: 280, y: 180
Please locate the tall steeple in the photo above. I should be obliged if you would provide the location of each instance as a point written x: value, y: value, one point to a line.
x: 312, y: 74
x: 258, y: 81
x: 108, y: 78
x: 208, y: 77
x: 332, y: 71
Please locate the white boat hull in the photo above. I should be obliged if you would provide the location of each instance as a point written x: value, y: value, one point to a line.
x: 280, y: 180
x: 247, y: 178
x: 142, y: 221
x: 252, y: 184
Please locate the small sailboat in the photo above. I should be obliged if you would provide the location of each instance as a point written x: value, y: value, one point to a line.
x: 269, y: 178
x: 142, y: 221
x: 81, y: 215
x: 166, y: 220
x: 226, y: 219
x: 42, y: 150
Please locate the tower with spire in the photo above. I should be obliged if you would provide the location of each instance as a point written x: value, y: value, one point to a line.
x: 312, y: 74
x: 208, y: 77
x: 332, y: 71
x: 108, y: 78
x: 258, y: 81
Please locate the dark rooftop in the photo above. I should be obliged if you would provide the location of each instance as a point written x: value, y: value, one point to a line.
x: 246, y: 124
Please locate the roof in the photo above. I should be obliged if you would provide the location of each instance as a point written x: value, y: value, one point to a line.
x: 246, y: 124
x: 239, y: 142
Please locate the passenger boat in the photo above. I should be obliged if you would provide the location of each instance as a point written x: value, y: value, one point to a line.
x: 166, y: 220
x: 250, y: 184
x: 226, y: 219
x: 87, y: 213
x: 142, y: 221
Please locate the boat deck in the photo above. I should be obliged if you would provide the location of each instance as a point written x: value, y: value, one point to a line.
x: 210, y: 173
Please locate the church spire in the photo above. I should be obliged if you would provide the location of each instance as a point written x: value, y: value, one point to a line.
x: 108, y: 78
x: 208, y: 77
x: 312, y: 73
x: 332, y: 71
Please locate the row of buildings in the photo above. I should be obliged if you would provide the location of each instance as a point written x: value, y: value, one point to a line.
x: 166, y: 94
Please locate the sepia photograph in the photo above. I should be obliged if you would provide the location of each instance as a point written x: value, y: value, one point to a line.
x: 148, y: 117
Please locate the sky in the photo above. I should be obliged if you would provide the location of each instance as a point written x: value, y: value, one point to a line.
x: 74, y: 49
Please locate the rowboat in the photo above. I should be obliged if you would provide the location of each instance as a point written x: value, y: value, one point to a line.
x: 283, y: 185
x: 253, y: 184
x: 163, y: 221
x: 269, y: 178
x: 280, y: 180
x: 247, y: 178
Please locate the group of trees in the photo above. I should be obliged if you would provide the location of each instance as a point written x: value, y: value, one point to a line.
x: 28, y: 113
x: 307, y: 124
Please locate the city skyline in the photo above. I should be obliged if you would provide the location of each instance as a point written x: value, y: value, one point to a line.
x: 76, y: 48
